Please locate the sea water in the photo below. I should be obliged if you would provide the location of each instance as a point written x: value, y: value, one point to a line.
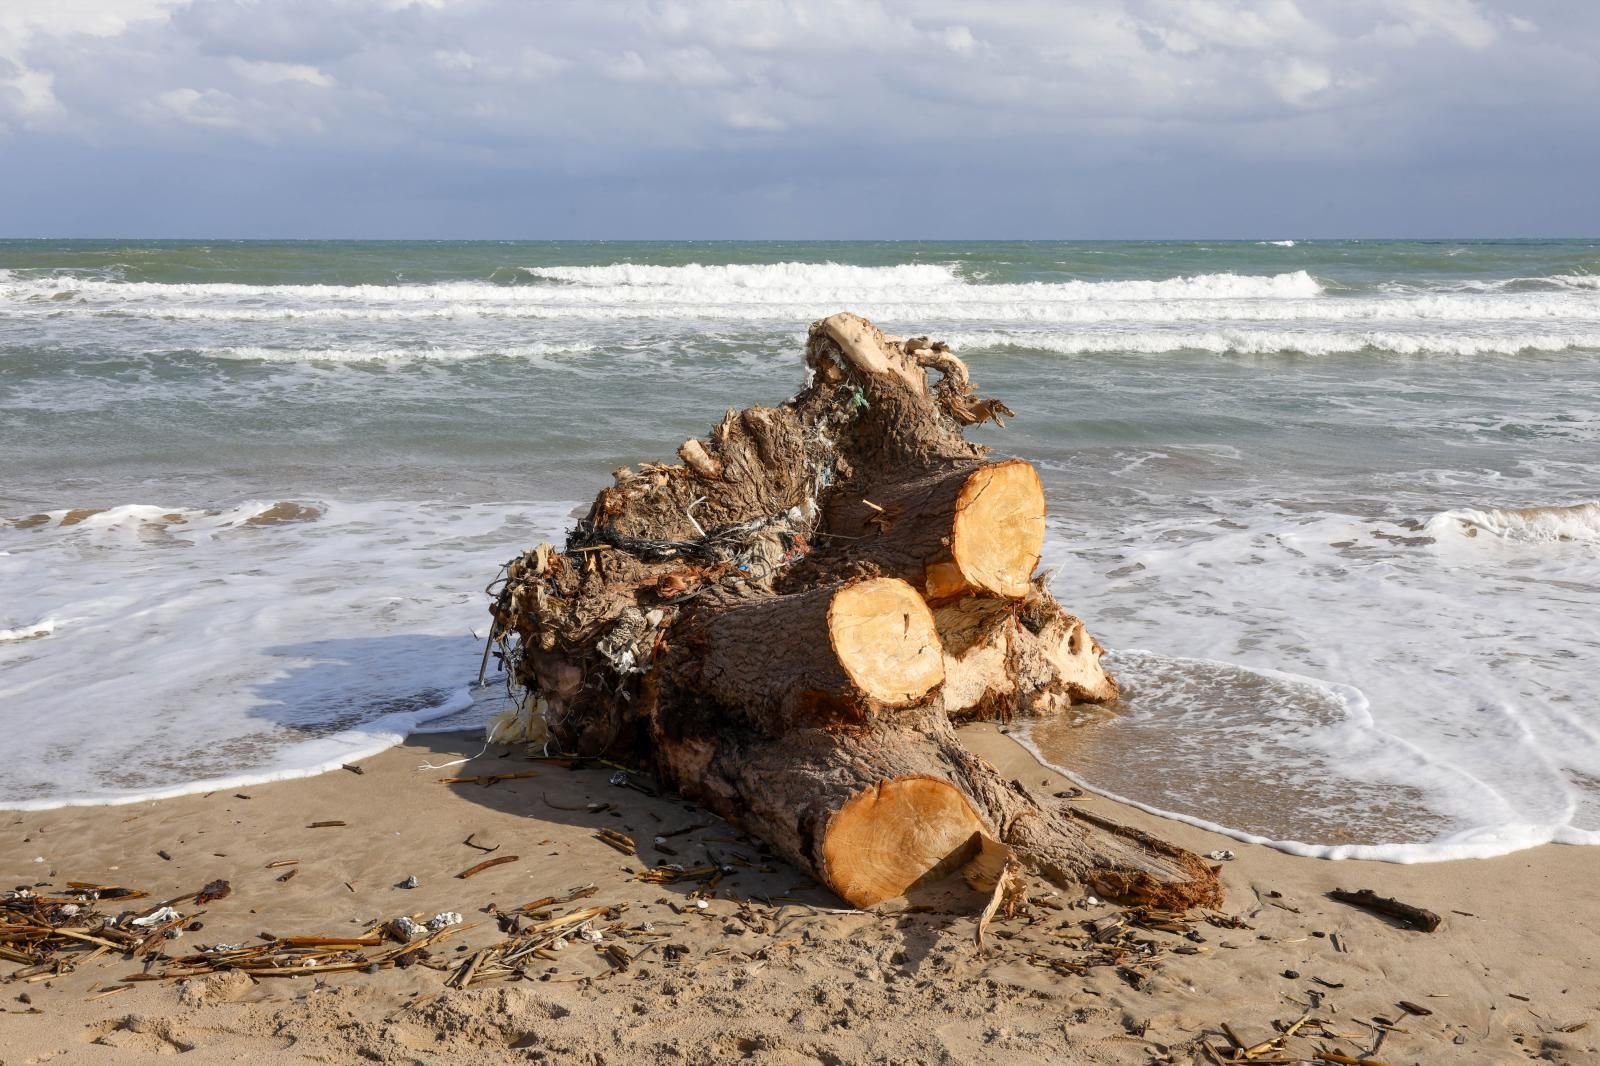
x: 1332, y: 506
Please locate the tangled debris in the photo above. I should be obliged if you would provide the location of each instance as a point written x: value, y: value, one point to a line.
x: 51, y: 933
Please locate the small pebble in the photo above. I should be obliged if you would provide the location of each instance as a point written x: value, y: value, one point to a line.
x: 410, y: 882
x: 1291, y: 974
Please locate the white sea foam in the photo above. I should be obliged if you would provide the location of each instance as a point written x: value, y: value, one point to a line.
x: 393, y: 356
x: 38, y: 629
x: 1279, y: 244
x: 692, y: 285
x: 242, y: 643
x: 1345, y: 687
x: 1305, y: 341
x: 767, y: 276
x: 1225, y: 312
x: 1276, y: 733
x: 1575, y: 523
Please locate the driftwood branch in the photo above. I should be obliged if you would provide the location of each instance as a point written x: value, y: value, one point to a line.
x: 1412, y: 917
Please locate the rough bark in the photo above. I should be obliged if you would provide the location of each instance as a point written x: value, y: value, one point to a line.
x: 832, y: 654
x: 871, y: 811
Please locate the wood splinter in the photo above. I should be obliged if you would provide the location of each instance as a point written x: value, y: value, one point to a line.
x: 485, y: 865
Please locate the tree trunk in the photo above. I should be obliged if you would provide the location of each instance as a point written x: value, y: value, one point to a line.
x: 872, y: 811
x: 972, y: 528
x: 1005, y: 658
x: 786, y: 624
x: 836, y: 653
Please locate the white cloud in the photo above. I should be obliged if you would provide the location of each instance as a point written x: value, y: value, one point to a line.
x: 266, y: 73
x: 29, y: 91
x: 1298, y: 80
x: 455, y: 59
x: 1463, y: 22
x: 207, y: 108
x: 21, y: 20
x: 746, y: 119
x: 958, y: 39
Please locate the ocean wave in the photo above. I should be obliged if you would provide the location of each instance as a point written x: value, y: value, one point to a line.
x: 1571, y: 523
x: 694, y: 285
x: 255, y: 639
x: 142, y: 519
x: 1267, y: 342
x: 1574, y: 283
x: 392, y: 356
x: 1004, y: 305
x: 786, y: 276
x: 29, y: 632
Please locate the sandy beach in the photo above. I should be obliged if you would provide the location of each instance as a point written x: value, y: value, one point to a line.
x: 770, y: 969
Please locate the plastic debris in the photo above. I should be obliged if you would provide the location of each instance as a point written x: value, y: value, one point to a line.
x: 163, y: 914
x: 443, y: 920
x: 406, y: 928
x: 1220, y: 855
x: 410, y: 881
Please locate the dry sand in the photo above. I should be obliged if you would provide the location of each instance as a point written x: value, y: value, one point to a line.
x: 772, y: 971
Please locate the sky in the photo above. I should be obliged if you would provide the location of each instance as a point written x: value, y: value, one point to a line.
x: 881, y: 119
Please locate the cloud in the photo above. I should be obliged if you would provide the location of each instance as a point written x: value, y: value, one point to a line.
x: 571, y: 91
x: 268, y: 73
x: 209, y: 108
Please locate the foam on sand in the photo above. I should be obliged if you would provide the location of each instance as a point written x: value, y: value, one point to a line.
x: 1347, y: 687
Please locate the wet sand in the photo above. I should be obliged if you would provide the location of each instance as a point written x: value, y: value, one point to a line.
x: 772, y: 969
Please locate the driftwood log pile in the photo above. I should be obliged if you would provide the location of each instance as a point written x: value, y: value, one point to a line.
x: 787, y: 625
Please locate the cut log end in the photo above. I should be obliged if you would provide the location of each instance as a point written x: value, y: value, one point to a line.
x: 886, y: 641
x: 896, y: 833
x: 997, y: 535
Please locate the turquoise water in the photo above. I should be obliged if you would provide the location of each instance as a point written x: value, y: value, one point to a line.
x: 1331, y: 503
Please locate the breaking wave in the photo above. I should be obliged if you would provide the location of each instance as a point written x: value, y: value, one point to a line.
x: 693, y: 283
x: 1266, y: 342
x: 1575, y: 523
x: 392, y: 356
x: 752, y: 275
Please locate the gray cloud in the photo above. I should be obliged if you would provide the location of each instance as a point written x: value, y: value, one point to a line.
x: 799, y: 118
